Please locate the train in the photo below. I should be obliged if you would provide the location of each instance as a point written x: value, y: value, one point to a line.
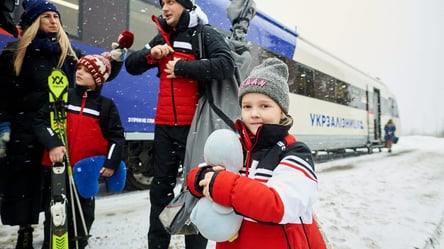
x: 335, y: 106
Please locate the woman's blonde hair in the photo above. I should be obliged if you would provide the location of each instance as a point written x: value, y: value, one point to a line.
x: 29, y: 34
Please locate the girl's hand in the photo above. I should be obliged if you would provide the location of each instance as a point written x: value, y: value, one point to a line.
x: 205, y: 183
x: 218, y: 168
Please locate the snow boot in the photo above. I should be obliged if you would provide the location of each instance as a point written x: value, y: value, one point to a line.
x: 24, y: 240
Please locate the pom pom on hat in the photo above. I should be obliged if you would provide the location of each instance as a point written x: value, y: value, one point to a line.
x: 269, y: 78
x: 98, y: 66
x: 188, y: 4
x: 33, y: 9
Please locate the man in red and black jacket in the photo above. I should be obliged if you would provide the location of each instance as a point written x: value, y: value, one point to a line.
x: 171, y: 51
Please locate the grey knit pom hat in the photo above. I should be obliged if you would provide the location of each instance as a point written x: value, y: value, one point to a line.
x: 269, y: 78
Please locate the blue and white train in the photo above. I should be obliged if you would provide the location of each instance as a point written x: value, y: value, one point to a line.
x: 335, y: 106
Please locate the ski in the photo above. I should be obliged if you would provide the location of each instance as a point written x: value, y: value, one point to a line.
x: 58, y: 99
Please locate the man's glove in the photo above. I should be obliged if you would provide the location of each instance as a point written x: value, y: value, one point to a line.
x: 118, y: 53
x: 5, y: 131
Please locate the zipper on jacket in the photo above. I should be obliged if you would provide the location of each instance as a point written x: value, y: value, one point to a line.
x: 250, y: 151
x: 173, y: 102
x: 84, y: 96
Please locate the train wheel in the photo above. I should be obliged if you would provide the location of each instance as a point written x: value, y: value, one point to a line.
x: 138, y: 161
x: 136, y: 179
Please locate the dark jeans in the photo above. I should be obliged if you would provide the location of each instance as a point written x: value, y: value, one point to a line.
x: 168, y: 154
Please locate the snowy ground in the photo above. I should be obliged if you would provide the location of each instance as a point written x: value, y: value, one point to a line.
x: 374, y: 201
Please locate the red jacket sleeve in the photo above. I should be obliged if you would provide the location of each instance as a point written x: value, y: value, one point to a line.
x: 242, y: 194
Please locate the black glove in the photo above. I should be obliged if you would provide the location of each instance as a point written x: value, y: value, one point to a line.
x: 200, y: 176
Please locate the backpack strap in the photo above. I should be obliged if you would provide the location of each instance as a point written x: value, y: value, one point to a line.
x: 199, y: 51
x: 197, y: 41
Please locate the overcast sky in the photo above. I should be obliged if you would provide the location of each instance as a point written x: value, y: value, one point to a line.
x: 399, y: 41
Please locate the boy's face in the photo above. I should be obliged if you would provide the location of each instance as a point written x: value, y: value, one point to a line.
x: 84, y: 78
x: 258, y: 109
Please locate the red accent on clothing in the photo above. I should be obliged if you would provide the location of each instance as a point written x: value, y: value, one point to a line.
x: 85, y: 143
x: 299, y: 169
x: 82, y: 143
x: 177, y: 98
x: 289, y: 139
x: 254, y: 235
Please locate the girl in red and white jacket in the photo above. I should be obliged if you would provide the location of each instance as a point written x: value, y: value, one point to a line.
x: 277, y: 187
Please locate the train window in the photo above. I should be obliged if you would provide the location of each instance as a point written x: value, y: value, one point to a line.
x: 324, y: 86
x: 316, y: 84
x: 140, y: 22
x: 342, y: 93
x: 357, y: 98
x: 371, y: 106
x: 304, y: 80
x: 292, y: 75
x: 90, y: 22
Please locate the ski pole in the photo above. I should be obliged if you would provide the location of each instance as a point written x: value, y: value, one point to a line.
x: 74, y: 195
x: 73, y: 212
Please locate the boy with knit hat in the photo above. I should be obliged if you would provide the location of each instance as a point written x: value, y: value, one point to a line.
x: 93, y: 128
x: 277, y: 186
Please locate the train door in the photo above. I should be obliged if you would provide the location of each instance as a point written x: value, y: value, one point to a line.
x: 377, y: 113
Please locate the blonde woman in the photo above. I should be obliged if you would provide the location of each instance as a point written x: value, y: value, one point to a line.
x: 24, y: 67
